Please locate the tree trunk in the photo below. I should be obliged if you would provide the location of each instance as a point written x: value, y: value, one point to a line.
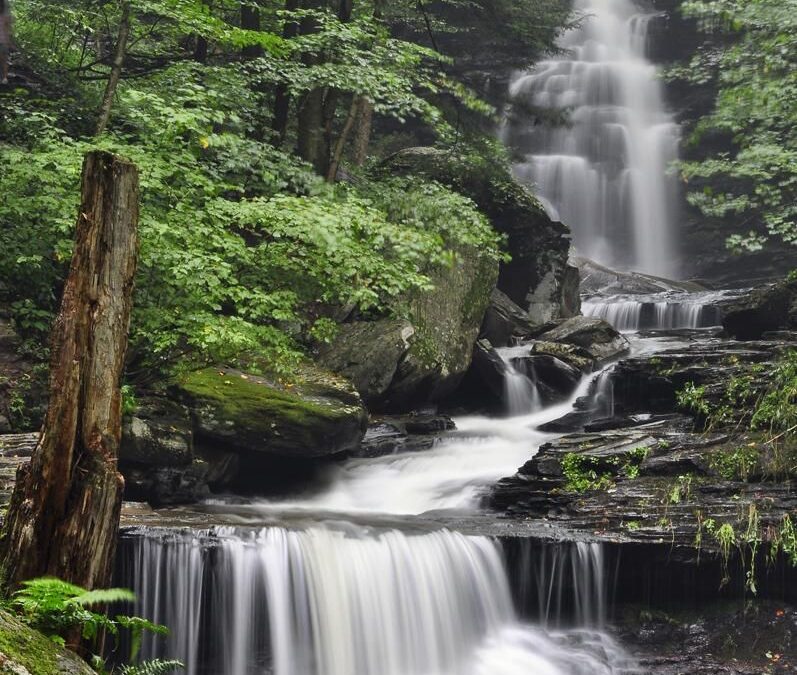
x: 250, y: 20
x: 340, y: 146
x: 63, y: 517
x: 116, y: 70
x: 362, y: 134
x: 282, y: 99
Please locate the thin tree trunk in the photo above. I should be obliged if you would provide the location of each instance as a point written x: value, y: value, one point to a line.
x: 341, y: 144
x: 362, y: 135
x: 63, y: 517
x: 116, y: 70
x: 282, y: 99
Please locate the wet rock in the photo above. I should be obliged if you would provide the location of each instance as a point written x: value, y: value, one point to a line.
x: 538, y: 278
x: 158, y: 433
x: 168, y: 485
x: 576, y: 357
x: 15, y: 450
x: 558, y: 378
x: 411, y: 433
x: 599, y: 280
x: 320, y: 414
x: 761, y: 310
x: 505, y: 322
x: 747, y: 637
x: 595, y: 336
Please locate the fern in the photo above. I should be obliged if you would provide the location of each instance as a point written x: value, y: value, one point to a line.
x: 56, y: 607
x: 104, y: 596
x: 154, y: 667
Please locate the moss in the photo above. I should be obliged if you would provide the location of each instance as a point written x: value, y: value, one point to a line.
x: 26, y: 647
x: 252, y: 399
x: 318, y: 414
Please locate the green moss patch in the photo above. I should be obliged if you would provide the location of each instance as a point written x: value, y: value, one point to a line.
x: 23, y: 646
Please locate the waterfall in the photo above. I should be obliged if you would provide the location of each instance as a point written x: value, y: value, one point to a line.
x: 520, y: 392
x: 562, y: 583
x: 605, y: 172
x: 652, y: 313
x: 347, y: 600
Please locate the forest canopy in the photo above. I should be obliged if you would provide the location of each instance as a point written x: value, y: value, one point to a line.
x: 254, y: 125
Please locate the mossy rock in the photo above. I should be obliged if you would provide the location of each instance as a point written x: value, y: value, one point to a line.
x: 447, y: 321
x: 318, y: 414
x: 24, y: 651
x: 400, y: 364
x: 538, y: 277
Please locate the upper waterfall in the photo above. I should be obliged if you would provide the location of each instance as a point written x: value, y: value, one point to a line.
x: 605, y: 171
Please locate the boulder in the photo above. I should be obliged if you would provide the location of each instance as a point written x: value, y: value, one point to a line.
x: 409, y: 433
x: 558, y: 379
x: 317, y: 415
x: 167, y: 485
x: 761, y: 310
x: 24, y: 651
x: 595, y: 336
x: 157, y: 434
x: 505, y: 322
x: 597, y: 279
x: 447, y: 322
x: 538, y: 277
x: 401, y: 364
x: 489, y: 370
x: 368, y: 353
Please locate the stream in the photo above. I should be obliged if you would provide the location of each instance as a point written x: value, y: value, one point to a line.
x: 367, y: 575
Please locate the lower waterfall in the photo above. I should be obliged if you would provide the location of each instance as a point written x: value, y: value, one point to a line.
x: 350, y: 600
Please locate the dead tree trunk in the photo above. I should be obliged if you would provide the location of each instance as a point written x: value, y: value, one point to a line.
x: 63, y: 516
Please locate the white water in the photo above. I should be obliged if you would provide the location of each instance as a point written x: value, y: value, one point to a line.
x: 521, y: 393
x: 452, y: 475
x: 335, y: 598
x: 605, y: 174
x: 325, y: 601
x: 633, y: 315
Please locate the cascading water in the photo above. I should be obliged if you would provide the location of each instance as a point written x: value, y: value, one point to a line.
x: 329, y: 601
x: 653, y: 313
x: 521, y: 393
x: 326, y: 596
x: 605, y: 173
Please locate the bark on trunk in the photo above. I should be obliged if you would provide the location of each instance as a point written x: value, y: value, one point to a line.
x: 250, y: 20
x: 362, y: 134
x: 116, y: 70
x: 340, y: 146
x: 63, y: 516
x: 282, y: 98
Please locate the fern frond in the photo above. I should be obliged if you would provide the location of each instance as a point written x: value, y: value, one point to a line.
x: 104, y: 596
x: 154, y: 667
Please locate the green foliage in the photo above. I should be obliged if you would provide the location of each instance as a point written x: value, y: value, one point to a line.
x: 154, y: 667
x: 692, y: 398
x: 757, y: 401
x: 56, y: 608
x: 247, y: 256
x: 584, y: 472
x: 752, y: 58
x: 738, y: 464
